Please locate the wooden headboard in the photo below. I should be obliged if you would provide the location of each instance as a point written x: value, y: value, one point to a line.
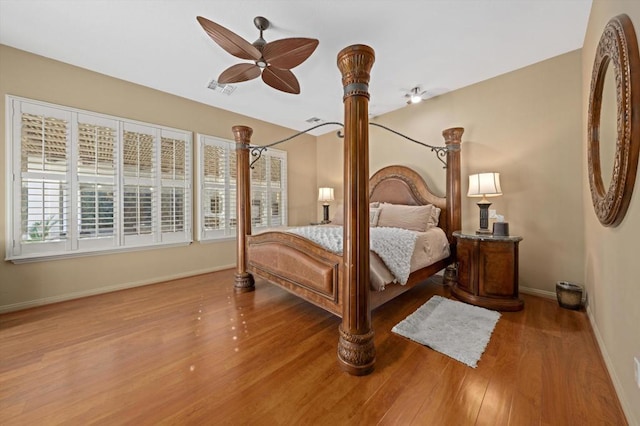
x: 402, y: 185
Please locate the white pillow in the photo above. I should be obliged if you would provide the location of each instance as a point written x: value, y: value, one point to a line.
x: 415, y: 218
x: 435, y: 216
x: 338, y: 215
x: 374, y: 216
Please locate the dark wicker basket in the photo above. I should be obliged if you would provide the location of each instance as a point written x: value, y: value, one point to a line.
x: 569, y: 295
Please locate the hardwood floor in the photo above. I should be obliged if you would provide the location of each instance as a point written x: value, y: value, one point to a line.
x: 191, y: 351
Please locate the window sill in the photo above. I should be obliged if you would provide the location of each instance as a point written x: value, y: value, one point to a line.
x: 217, y: 240
x: 45, y: 257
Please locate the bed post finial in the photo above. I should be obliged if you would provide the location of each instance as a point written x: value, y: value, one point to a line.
x: 243, y: 280
x: 452, y: 138
x: 356, y: 351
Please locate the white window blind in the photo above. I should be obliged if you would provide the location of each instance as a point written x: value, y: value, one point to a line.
x: 86, y: 182
x: 175, y: 212
x: 217, y: 188
x: 42, y: 204
x: 138, y: 170
x: 97, y: 154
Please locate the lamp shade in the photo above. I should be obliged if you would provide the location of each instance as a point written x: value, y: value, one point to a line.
x: 325, y: 194
x: 484, y: 185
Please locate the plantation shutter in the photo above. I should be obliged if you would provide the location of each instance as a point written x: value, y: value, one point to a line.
x: 217, y: 207
x: 278, y: 189
x: 217, y: 189
x: 268, y: 189
x: 85, y: 182
x: 42, y: 194
x: 97, y: 140
x: 138, y: 170
x: 259, y: 193
x: 175, y: 215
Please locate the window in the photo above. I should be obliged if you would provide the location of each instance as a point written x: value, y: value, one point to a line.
x: 85, y: 182
x: 217, y: 189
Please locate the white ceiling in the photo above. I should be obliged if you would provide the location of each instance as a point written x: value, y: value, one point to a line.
x: 437, y: 45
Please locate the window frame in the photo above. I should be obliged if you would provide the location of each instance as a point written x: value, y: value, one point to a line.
x: 18, y: 250
x: 229, y: 186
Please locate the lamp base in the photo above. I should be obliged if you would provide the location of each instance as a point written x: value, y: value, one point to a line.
x: 484, y: 217
x: 325, y: 218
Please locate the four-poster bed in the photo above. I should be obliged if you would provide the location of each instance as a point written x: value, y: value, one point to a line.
x: 339, y: 283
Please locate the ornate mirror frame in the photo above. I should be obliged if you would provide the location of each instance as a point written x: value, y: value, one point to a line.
x: 618, y: 47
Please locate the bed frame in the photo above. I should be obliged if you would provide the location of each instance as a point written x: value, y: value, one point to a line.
x: 340, y: 284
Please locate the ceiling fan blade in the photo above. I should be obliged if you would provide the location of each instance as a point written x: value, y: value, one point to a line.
x: 238, y: 73
x: 229, y: 41
x: 280, y: 79
x: 289, y: 52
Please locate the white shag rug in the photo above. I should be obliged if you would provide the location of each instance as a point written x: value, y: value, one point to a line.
x: 458, y: 330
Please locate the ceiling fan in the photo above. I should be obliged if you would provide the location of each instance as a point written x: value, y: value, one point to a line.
x: 272, y: 60
x: 415, y: 95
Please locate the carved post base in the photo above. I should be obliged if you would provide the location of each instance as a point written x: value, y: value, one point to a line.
x: 356, y: 352
x: 244, y: 283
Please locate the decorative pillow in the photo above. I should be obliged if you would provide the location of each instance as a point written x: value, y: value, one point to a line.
x: 338, y: 215
x: 374, y: 216
x: 415, y: 218
x: 435, y: 216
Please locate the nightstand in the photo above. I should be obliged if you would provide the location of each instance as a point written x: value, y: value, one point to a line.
x: 487, y: 272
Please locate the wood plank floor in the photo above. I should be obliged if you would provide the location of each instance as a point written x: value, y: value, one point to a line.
x: 190, y: 351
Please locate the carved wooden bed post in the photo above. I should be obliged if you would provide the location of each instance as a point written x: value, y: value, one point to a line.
x: 452, y: 138
x: 356, y: 351
x: 243, y: 280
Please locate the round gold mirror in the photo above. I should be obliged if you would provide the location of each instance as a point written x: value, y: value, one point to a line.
x: 614, y: 121
x: 608, y: 127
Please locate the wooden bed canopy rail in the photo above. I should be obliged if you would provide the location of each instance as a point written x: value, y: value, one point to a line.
x: 340, y: 283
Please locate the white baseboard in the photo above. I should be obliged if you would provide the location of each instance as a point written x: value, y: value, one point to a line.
x: 101, y: 290
x: 626, y: 407
x: 536, y: 292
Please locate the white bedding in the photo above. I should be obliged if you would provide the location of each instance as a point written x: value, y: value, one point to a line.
x: 395, y: 246
x: 431, y: 246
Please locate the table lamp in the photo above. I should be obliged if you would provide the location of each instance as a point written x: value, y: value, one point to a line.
x: 484, y: 185
x: 325, y: 195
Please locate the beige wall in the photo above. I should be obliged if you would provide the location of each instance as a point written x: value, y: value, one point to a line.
x: 527, y: 126
x: 612, y: 269
x: 35, y: 77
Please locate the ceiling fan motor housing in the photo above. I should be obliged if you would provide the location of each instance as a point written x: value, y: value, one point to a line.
x: 261, y: 23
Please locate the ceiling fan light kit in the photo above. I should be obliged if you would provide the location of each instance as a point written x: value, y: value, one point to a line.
x: 415, y: 96
x: 271, y: 60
